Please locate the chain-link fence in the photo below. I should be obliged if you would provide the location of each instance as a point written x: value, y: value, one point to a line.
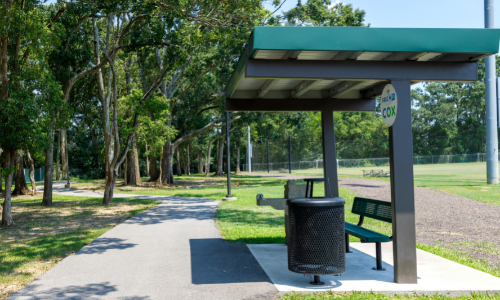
x: 367, y: 162
x: 305, y: 157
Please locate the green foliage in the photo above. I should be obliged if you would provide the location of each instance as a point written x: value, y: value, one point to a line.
x: 34, y: 97
x: 320, y: 13
x: 450, y: 118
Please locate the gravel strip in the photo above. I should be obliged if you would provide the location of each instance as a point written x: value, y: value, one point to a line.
x: 442, y: 219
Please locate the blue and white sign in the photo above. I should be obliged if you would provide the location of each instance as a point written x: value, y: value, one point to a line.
x: 389, y: 105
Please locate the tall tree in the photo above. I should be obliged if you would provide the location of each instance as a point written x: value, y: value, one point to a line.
x: 29, y: 95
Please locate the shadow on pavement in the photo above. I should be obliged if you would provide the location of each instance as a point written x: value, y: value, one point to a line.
x: 162, y: 213
x: 103, y: 244
x: 214, y: 261
x: 73, y: 292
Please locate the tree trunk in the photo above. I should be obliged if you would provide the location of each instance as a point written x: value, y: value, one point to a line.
x: 159, y: 179
x: 126, y: 170
x: 153, y: 169
x: 138, y: 180
x: 21, y: 187
x: 238, y: 171
x: 168, y: 163
x: 133, y: 175
x: 49, y: 170
x: 32, y: 174
x: 207, y: 163
x: 109, y: 187
x: 179, y: 172
x: 1, y: 182
x: 7, y: 220
x: 147, y: 163
x: 58, y: 153
x: 220, y: 160
x: 200, y: 165
x: 188, y: 164
x: 64, y: 156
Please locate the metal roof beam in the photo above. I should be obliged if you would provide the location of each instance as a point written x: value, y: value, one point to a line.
x: 303, y: 87
x: 300, y: 105
x: 266, y: 87
x: 374, y: 90
x: 291, y: 55
x: 343, y: 87
x: 361, y: 70
x: 350, y: 55
x: 461, y: 56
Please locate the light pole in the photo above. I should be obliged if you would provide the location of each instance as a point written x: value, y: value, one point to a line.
x: 290, y: 154
x: 249, y: 154
x: 228, y: 197
x: 491, y: 105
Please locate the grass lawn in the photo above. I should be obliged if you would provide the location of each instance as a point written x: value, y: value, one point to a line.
x: 463, y: 179
x: 44, y: 236
x: 374, y: 296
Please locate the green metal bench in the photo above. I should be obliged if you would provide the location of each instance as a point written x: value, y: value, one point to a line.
x: 375, y: 209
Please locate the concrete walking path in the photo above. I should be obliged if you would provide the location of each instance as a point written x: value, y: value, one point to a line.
x: 171, y: 251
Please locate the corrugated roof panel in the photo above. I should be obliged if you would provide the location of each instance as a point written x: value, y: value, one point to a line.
x: 317, y: 55
x: 270, y: 54
x: 373, y: 55
x: 428, y: 56
x: 325, y: 84
x: 286, y: 84
x: 250, y: 84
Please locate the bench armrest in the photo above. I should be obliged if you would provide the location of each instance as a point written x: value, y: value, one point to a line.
x: 361, y: 219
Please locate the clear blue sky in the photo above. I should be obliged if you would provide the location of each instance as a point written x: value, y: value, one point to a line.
x: 422, y: 13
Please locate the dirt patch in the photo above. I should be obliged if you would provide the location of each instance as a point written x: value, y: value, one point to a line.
x: 98, y: 186
x: 444, y: 219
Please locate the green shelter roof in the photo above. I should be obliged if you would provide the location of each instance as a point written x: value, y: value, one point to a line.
x: 367, y: 39
x: 350, y: 44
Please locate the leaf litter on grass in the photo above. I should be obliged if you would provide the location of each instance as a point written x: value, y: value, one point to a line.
x: 43, y: 236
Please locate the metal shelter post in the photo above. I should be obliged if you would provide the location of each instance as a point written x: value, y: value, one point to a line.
x: 402, y: 190
x: 249, y: 152
x: 290, y: 154
x: 228, y: 197
x: 329, y: 154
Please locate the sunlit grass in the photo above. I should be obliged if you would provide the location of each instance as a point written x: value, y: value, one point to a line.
x: 376, y: 296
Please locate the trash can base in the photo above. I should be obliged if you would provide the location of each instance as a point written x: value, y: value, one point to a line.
x: 316, y: 281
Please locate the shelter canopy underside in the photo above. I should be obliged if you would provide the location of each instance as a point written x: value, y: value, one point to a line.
x: 353, y: 62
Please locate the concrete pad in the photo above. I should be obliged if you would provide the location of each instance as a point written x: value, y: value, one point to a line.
x: 435, y: 274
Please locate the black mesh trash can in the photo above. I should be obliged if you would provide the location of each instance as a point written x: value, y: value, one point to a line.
x: 316, y: 237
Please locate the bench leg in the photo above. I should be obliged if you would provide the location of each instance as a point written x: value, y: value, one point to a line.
x: 347, y: 248
x: 378, y: 248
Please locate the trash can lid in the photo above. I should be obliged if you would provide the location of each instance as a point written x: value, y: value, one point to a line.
x: 316, y: 202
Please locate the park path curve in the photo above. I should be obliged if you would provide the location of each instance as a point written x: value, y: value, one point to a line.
x: 171, y: 251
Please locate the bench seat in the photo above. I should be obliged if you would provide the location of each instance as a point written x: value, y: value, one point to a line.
x: 374, y: 209
x: 364, y: 234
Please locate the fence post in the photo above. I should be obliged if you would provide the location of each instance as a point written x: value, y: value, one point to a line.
x: 267, y: 155
x: 290, y: 154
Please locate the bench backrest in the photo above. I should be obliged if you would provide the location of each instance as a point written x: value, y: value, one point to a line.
x: 375, y: 209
